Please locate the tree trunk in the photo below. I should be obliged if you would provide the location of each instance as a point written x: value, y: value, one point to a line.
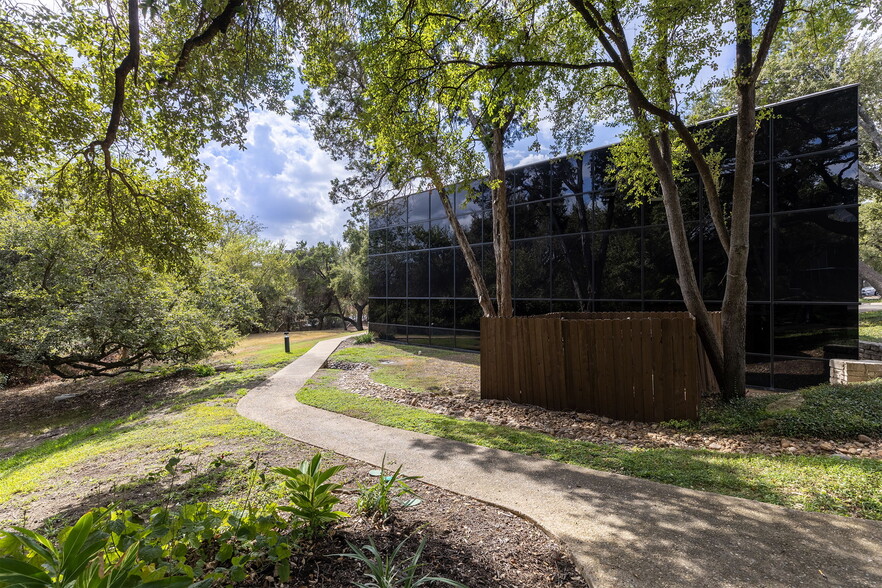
x: 870, y: 275
x: 686, y: 272
x: 359, y: 315
x: 501, y: 226
x: 466, y: 249
x: 734, y: 311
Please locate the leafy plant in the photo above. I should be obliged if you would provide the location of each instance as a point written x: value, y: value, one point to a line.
x: 311, y: 494
x: 364, y: 338
x: 377, y: 499
x: 82, y: 559
x: 388, y: 572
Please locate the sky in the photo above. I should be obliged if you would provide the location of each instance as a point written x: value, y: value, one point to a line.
x: 282, y: 178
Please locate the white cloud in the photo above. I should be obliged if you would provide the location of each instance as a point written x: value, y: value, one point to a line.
x: 282, y: 179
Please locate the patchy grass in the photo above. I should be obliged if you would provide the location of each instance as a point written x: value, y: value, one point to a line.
x: 405, y: 366
x: 826, y: 411
x: 870, y: 326
x: 823, y: 484
x: 198, y: 416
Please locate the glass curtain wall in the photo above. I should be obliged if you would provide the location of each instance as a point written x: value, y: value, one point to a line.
x: 579, y: 245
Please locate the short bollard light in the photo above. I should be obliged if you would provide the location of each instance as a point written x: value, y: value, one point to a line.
x: 287, y: 343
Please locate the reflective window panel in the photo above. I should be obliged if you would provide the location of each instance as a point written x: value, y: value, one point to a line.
x: 821, y: 122
x: 443, y: 314
x: 531, y: 271
x: 417, y: 274
x: 571, y: 267
x: 419, y: 236
x: 817, y: 331
x: 571, y: 214
x: 377, y: 275
x: 468, y: 315
x: 377, y: 307
x: 816, y: 255
x: 441, y: 233
x: 571, y: 175
x: 418, y: 207
x: 441, y: 280
x: 377, y: 241
x: 396, y: 212
x: 613, y: 211
x: 617, y: 265
x: 817, y: 181
x: 396, y: 272
x: 531, y: 220
x: 443, y: 337
x: 396, y: 311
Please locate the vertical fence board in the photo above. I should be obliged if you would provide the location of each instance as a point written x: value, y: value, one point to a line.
x: 658, y: 372
x: 666, y: 367
x: 693, y: 394
x: 646, y: 368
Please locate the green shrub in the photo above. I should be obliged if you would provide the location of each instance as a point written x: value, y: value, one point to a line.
x: 828, y: 411
x: 311, y: 495
x: 364, y: 338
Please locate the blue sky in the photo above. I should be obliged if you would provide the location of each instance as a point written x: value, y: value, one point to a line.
x: 282, y: 178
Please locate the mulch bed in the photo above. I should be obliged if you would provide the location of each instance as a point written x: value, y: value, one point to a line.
x: 465, y: 402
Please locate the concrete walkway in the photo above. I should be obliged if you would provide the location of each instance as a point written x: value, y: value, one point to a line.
x: 621, y: 531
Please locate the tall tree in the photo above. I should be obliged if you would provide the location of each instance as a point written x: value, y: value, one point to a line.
x: 107, y: 105
x: 412, y: 118
x: 647, y: 58
x: 349, y: 277
x: 70, y: 305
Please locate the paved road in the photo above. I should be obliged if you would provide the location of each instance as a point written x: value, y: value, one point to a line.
x: 621, y: 531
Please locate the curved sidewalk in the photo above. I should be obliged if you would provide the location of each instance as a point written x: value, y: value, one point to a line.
x: 621, y: 531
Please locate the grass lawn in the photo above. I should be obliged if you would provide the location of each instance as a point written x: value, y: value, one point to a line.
x: 116, y: 458
x: 817, y: 483
x: 870, y: 326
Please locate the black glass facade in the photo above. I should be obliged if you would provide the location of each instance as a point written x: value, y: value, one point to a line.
x: 578, y: 245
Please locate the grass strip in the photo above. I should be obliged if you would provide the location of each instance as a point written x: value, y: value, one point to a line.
x: 812, y: 483
x: 197, y: 418
x: 870, y: 326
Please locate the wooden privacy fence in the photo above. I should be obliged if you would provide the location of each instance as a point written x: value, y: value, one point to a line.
x: 637, y: 366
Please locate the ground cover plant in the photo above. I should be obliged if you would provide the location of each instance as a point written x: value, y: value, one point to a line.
x: 164, y: 460
x: 870, y: 325
x: 771, y: 469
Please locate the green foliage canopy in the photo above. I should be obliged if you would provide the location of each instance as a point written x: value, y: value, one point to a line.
x: 72, y: 306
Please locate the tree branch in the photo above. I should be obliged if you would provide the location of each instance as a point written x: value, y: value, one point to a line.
x: 869, y: 127
x: 762, y: 51
x: 218, y: 24
x: 121, y: 73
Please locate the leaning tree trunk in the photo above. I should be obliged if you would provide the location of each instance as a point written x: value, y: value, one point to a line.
x: 466, y: 248
x: 734, y: 311
x: 683, y: 258
x: 501, y: 226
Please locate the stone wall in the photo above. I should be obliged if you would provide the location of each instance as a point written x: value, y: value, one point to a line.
x: 851, y: 371
x: 870, y: 350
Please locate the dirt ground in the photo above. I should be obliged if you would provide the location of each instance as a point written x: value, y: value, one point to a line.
x: 467, y: 540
